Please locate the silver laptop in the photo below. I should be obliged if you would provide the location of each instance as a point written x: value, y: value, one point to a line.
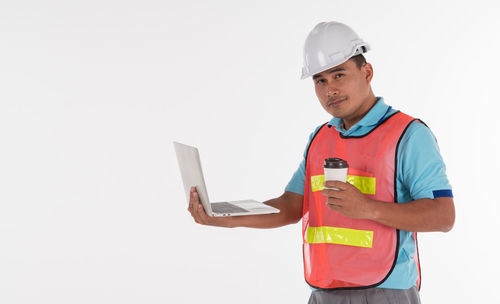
x: 192, y: 175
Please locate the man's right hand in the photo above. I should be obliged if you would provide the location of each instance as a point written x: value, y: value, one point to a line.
x: 200, y: 216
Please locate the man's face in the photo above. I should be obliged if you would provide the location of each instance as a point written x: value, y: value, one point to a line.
x: 344, y: 91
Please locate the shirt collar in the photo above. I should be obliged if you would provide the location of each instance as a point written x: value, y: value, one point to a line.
x: 372, y: 118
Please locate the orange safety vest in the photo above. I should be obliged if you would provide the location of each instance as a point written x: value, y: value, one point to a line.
x: 341, y: 252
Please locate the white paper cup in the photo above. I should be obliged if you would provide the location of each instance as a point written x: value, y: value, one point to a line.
x: 335, y: 170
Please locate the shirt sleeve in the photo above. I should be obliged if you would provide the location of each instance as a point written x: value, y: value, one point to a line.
x: 421, y: 169
x: 297, y: 182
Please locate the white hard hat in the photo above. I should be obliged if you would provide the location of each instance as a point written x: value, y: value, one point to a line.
x: 328, y: 45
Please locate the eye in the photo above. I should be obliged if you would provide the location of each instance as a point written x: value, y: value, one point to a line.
x: 320, y: 81
x: 339, y: 75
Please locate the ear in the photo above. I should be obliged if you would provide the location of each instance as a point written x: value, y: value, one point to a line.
x: 367, y: 70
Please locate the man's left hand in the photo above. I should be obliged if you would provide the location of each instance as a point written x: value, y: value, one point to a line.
x: 347, y: 200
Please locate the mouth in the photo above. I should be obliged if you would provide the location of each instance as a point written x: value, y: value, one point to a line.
x: 335, y: 102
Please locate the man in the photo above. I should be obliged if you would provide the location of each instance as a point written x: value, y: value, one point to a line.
x: 360, y: 241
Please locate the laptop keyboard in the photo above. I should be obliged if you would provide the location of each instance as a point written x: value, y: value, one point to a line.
x: 227, y: 208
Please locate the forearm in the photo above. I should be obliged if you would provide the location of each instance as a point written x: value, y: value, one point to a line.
x: 423, y: 215
x: 290, y: 206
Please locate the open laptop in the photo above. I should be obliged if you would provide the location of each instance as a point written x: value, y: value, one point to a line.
x: 192, y: 175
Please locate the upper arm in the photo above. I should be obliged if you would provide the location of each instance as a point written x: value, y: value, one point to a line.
x: 290, y: 205
x: 421, y: 169
x: 446, y: 210
x: 294, y: 199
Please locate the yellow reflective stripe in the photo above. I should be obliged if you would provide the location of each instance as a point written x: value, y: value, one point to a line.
x: 317, y: 182
x: 365, y: 184
x: 341, y: 236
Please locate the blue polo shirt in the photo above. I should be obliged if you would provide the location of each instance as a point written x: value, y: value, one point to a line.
x: 421, y: 174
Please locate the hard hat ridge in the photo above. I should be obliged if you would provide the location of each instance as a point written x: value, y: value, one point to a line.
x: 328, y: 45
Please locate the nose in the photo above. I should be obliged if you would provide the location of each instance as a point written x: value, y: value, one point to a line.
x: 332, y: 91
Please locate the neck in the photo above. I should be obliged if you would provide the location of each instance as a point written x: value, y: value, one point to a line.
x: 367, y: 105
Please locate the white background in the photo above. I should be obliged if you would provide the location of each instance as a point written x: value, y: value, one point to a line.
x: 92, y: 94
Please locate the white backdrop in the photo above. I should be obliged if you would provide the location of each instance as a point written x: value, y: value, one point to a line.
x: 92, y: 94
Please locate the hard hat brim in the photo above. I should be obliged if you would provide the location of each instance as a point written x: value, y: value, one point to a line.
x: 359, y: 48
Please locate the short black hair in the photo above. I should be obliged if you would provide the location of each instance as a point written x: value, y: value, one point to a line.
x: 360, y: 60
